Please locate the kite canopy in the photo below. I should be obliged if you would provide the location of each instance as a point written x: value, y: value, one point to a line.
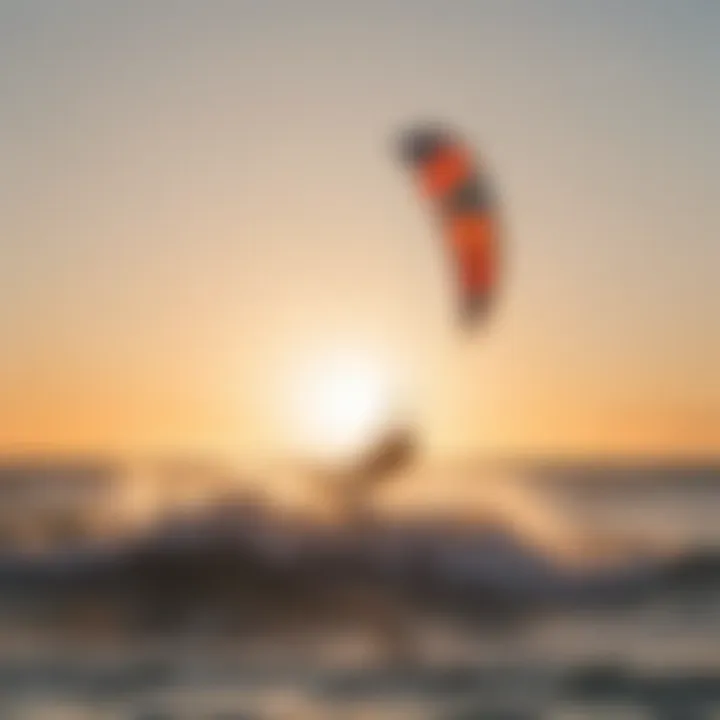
x: 457, y: 187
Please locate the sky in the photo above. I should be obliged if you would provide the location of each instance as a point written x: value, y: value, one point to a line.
x: 202, y: 219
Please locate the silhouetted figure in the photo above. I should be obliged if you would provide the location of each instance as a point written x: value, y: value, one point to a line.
x: 354, y: 488
x: 352, y: 492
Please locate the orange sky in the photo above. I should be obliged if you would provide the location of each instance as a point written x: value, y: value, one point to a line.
x: 196, y: 203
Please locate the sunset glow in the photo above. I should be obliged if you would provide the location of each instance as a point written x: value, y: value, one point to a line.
x: 186, y: 202
x: 337, y: 400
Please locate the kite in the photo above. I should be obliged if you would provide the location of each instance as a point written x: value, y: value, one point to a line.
x: 455, y: 183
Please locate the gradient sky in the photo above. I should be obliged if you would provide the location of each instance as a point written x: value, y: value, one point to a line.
x: 196, y: 196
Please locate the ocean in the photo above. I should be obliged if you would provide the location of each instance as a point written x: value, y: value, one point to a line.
x: 642, y: 641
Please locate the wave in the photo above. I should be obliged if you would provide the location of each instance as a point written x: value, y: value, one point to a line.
x: 488, y: 553
x: 258, y: 575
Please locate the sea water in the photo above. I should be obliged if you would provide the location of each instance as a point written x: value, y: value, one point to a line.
x: 659, y: 658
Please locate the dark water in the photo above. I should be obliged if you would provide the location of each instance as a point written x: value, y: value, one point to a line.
x: 657, y: 657
x: 199, y: 685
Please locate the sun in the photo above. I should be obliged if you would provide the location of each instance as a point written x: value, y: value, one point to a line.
x: 340, y: 398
